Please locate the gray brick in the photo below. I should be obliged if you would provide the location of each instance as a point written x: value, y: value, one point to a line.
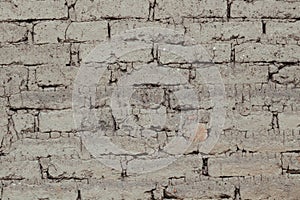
x: 244, y: 165
x: 35, y: 54
x: 189, y: 8
x: 87, y: 31
x: 95, y: 10
x: 255, y: 52
x: 24, y: 10
x: 10, y: 33
x: 265, y: 9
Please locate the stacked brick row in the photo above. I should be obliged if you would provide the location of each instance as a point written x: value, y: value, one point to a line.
x: 255, y: 45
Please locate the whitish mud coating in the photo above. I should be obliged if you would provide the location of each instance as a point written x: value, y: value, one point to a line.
x: 168, y: 140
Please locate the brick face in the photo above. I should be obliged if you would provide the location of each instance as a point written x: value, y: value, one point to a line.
x: 25, y: 10
x: 31, y: 54
x: 244, y: 165
x: 87, y: 31
x: 247, y: 71
x: 13, y: 33
x: 255, y: 52
x: 95, y: 10
x: 265, y: 9
x: 189, y: 8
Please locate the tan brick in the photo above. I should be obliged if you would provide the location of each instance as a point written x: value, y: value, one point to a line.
x: 116, y: 189
x: 277, y: 187
x: 60, y: 99
x: 95, y: 10
x: 121, y: 26
x: 20, y: 170
x: 217, y: 52
x: 210, y: 32
x: 203, y: 189
x: 244, y: 73
x: 265, y: 9
x: 268, y: 141
x: 27, y: 191
x: 290, y: 120
x: 87, y: 31
x: 283, y: 32
x: 140, y: 56
x: 190, y: 8
x: 255, y: 121
x: 23, y: 10
x: 240, y: 164
x: 255, y: 52
x: 54, y: 75
x: 188, y: 166
x: 80, y: 51
x: 13, y: 79
x: 80, y: 169
x: 35, y: 54
x: 291, y: 161
x: 50, y: 31
x: 61, y: 120
x: 23, y: 122
x: 258, y: 141
x: 289, y: 75
x: 10, y: 33
x: 31, y: 149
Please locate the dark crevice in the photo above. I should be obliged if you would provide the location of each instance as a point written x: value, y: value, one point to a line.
x: 237, y: 193
x: 275, y: 121
x: 33, y: 20
x: 169, y: 195
x: 14, y: 109
x: 124, y: 173
x: 224, y: 196
x: 115, y: 126
x: 112, y: 79
x: 195, y: 152
x: 60, y: 178
x: 205, y: 166
x: 281, y: 164
x: 112, y: 18
x: 228, y: 12
x: 292, y: 151
x: 263, y: 27
x: 10, y: 178
x: 232, y: 54
x: 70, y: 47
x: 151, y: 193
x: 54, y: 86
x: 1, y: 191
x: 149, y: 11
x: 151, y: 14
x: 71, y: 6
x: 41, y: 168
x: 293, y: 171
x: 109, y: 30
x: 78, y: 195
x: 154, y: 54
x: 32, y: 33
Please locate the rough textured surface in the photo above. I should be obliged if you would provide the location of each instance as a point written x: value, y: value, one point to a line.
x: 253, y: 43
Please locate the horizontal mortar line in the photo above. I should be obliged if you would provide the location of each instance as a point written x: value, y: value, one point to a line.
x: 15, y: 109
x: 276, y: 18
x: 33, y: 20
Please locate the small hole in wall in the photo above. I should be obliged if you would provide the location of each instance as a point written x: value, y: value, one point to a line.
x: 264, y: 27
x: 205, y: 166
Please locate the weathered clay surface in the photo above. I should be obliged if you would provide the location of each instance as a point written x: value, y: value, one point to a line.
x: 255, y: 44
